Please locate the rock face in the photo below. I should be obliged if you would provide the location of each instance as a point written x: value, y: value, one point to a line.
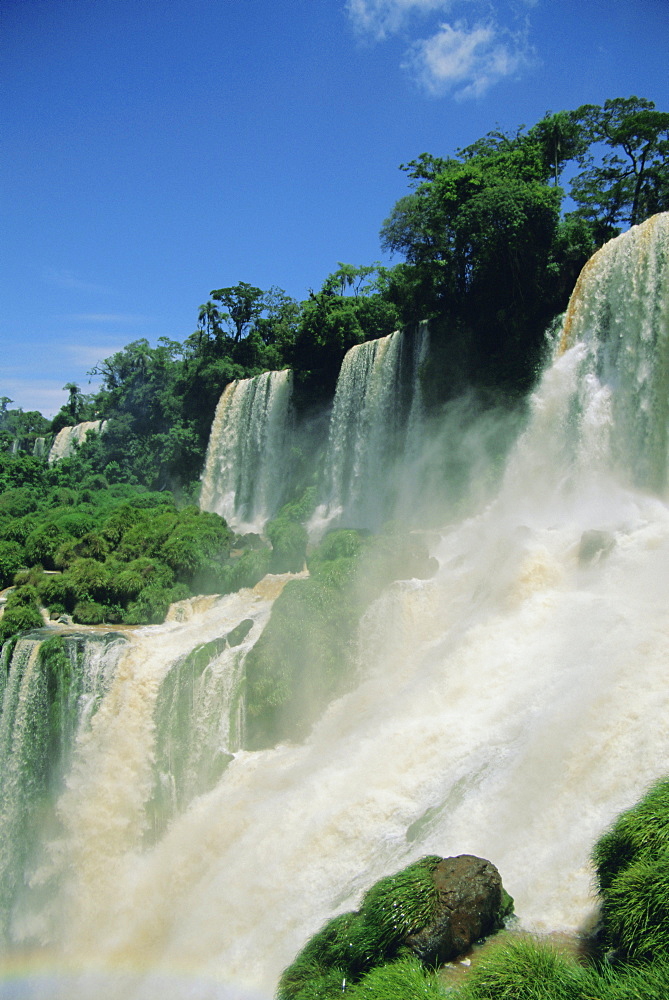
x: 595, y: 545
x: 472, y: 904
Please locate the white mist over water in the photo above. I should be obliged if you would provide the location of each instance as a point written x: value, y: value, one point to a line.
x: 509, y: 707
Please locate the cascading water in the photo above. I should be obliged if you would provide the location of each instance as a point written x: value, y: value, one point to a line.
x: 52, y: 690
x: 247, y: 466
x: 68, y: 438
x: 375, y: 426
x: 509, y: 707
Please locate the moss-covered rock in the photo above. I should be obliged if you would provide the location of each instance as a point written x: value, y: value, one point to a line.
x: 306, y: 654
x: 420, y: 917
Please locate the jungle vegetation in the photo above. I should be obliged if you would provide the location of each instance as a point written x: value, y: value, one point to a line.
x: 491, y: 240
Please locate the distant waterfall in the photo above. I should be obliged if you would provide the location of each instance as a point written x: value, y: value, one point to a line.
x: 69, y: 437
x: 374, y: 427
x: 247, y: 463
x: 39, y: 447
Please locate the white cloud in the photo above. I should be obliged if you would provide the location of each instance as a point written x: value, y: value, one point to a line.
x: 62, y: 277
x: 87, y: 356
x: 463, y: 57
x: 45, y: 395
x: 381, y: 18
x: 466, y: 61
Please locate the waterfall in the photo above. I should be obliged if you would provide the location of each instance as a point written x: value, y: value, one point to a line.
x: 155, y: 727
x: 374, y: 430
x: 247, y: 463
x: 68, y: 438
x: 619, y: 316
x: 51, y: 692
x: 509, y: 707
x: 39, y: 447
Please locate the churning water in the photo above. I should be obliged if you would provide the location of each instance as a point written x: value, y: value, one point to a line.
x: 509, y: 707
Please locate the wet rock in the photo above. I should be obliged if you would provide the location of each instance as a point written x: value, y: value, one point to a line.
x: 472, y: 905
x: 595, y: 545
x: 239, y: 633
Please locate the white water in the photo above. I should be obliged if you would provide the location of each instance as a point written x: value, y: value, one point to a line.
x: 246, y: 468
x: 375, y: 426
x: 68, y: 438
x: 510, y: 707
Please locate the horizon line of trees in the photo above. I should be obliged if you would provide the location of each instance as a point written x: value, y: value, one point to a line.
x: 492, y: 240
x: 490, y: 257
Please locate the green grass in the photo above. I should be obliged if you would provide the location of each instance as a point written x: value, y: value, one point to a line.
x: 632, y: 867
x: 405, y: 979
x: 404, y: 903
x: 352, y: 944
x: 640, y: 831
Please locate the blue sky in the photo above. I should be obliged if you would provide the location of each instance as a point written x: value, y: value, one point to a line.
x: 153, y: 150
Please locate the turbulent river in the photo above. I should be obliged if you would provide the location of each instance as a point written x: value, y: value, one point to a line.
x: 508, y: 707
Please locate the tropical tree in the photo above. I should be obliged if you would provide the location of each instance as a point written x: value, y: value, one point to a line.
x: 244, y: 304
x: 73, y: 403
x: 625, y: 171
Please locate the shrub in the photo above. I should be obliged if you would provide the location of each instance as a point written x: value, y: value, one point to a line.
x: 89, y: 612
x: 92, y: 546
x: 352, y: 944
x: 23, y: 597
x: 635, y: 908
x: 121, y: 521
x: 289, y: 545
x: 19, y: 618
x: 17, y: 529
x: 632, y: 867
x: 152, y: 604
x: 11, y: 560
x: 345, y: 543
x: 18, y: 501
x: 88, y: 579
x: 245, y: 571
x: 522, y: 970
x: 197, y: 542
x: 55, y: 593
x: 403, y: 903
x: 127, y: 580
x: 43, y: 542
x: 32, y: 576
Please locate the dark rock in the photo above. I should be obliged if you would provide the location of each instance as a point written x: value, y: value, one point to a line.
x: 594, y: 546
x: 238, y: 634
x: 472, y: 904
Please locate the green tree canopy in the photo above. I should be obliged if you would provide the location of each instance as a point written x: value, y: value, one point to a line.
x: 629, y: 180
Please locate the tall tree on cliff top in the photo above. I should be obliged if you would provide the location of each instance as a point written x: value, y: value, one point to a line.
x: 631, y: 180
x: 244, y: 304
x: 489, y: 254
x: 479, y: 234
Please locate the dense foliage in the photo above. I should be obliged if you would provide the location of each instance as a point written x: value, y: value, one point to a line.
x: 100, y: 551
x: 490, y: 258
